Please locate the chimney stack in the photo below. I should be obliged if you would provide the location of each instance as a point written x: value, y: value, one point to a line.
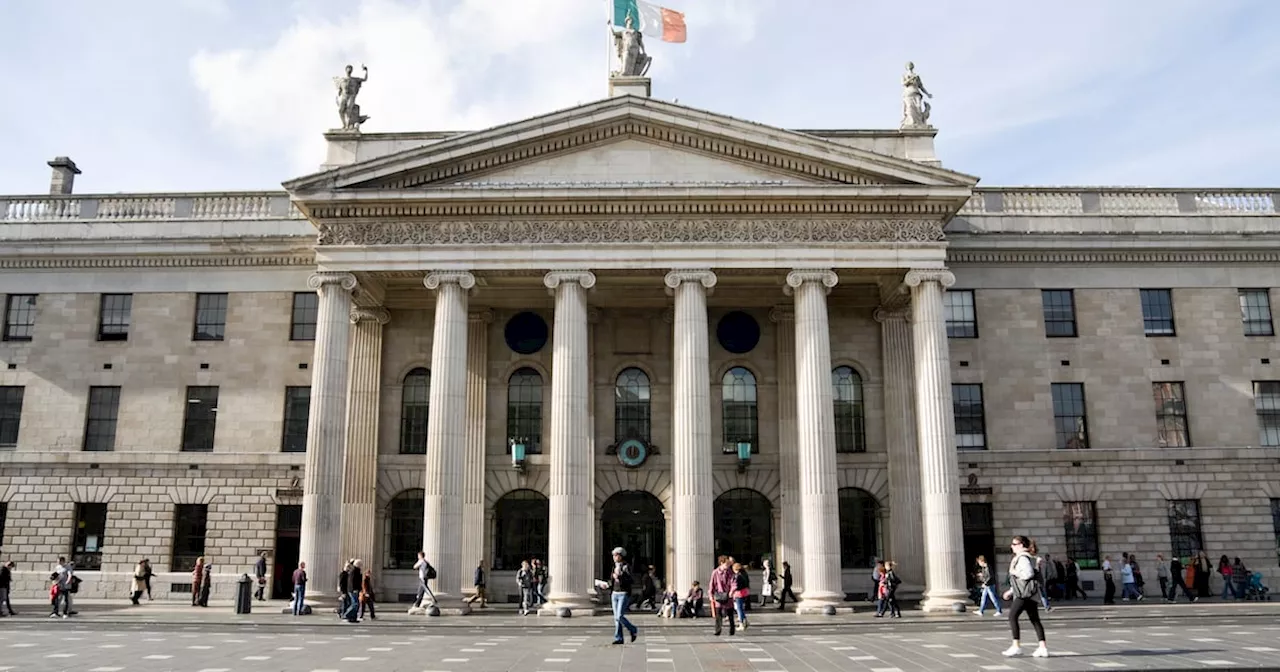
x: 64, y: 176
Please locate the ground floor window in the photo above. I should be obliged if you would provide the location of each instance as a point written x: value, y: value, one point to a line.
x: 860, y: 541
x: 90, y: 536
x: 520, y: 521
x: 743, y: 520
x: 189, y: 525
x: 1184, y: 528
x: 402, y: 530
x: 1080, y: 531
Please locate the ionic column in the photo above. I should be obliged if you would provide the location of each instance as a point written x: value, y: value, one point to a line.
x: 473, y: 527
x: 792, y: 544
x: 319, y: 542
x: 816, y: 440
x: 939, y: 473
x: 569, y: 538
x: 691, y: 427
x: 447, y: 430
x: 360, y: 484
x: 906, y: 536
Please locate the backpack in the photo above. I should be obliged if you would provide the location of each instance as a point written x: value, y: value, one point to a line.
x: 431, y: 572
x: 1029, y: 589
x: 75, y: 584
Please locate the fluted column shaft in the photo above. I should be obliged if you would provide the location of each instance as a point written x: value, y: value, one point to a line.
x: 360, y: 482
x: 473, y: 527
x: 570, y: 536
x: 691, y: 428
x: 319, y: 542
x: 446, y: 429
x: 816, y: 439
x: 906, y: 534
x: 939, y: 473
x: 792, y: 542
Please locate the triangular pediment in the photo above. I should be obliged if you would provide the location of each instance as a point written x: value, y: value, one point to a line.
x: 624, y: 141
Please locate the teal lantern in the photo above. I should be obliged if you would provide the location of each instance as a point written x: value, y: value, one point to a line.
x: 517, y: 454
x: 744, y: 455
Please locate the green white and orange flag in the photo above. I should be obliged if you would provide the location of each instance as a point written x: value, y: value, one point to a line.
x: 651, y: 20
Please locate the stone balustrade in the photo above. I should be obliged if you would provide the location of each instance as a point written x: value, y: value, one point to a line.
x: 148, y: 207
x: 1121, y: 202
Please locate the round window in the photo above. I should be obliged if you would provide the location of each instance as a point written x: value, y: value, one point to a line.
x: 526, y: 333
x: 738, y: 332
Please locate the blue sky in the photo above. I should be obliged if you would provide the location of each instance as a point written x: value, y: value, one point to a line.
x: 168, y: 95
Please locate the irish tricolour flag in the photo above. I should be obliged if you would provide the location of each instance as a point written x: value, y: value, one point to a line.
x: 650, y: 20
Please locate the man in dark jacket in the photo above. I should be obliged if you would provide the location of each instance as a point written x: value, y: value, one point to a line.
x: 344, y: 590
x: 478, y: 582
x: 260, y: 573
x: 354, y: 581
x: 6, y: 582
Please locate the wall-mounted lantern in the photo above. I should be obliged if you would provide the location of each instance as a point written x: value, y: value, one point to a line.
x: 744, y: 456
x: 517, y: 454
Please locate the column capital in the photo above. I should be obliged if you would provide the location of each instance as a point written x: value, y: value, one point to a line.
x: 780, y: 314
x: 346, y: 281
x: 485, y: 316
x: 798, y: 277
x: 941, y: 275
x: 553, y: 279
x: 886, y: 314
x: 679, y: 276
x: 462, y: 279
x: 370, y: 314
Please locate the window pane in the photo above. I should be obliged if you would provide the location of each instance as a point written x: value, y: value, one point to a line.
x: 297, y: 412
x: 201, y: 419
x: 189, y: 527
x: 850, y: 415
x: 1266, y: 399
x: 520, y: 521
x: 100, y: 421
x: 402, y: 530
x: 1059, y: 312
x: 631, y: 406
x: 10, y: 414
x: 19, y: 317
x: 306, y: 306
x: 1080, y: 529
x: 1171, y: 415
x: 211, y: 317
x: 1184, y: 528
x: 1255, y: 312
x: 738, y: 410
x: 962, y: 319
x: 1070, y: 423
x: 114, y: 315
x: 1157, y: 312
x: 414, y: 409
x: 89, y: 537
x: 970, y: 421
x: 524, y: 410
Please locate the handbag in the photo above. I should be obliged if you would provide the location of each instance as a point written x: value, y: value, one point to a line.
x: 720, y: 596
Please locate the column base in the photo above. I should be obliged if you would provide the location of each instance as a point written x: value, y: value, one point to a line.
x: 911, y: 592
x: 945, y: 602
x: 575, y: 604
x: 823, y: 603
x: 445, y: 605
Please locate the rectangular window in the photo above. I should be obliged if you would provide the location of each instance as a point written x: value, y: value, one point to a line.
x: 1184, y: 528
x: 211, y: 317
x: 1266, y: 399
x: 19, y: 317
x: 100, y: 420
x: 189, y: 525
x: 971, y: 425
x: 1157, y: 312
x: 90, y: 536
x: 297, y: 411
x: 1070, y: 423
x: 962, y: 318
x: 1275, y: 524
x: 1059, y: 306
x: 201, y: 419
x: 1255, y: 312
x: 10, y: 414
x: 1080, y: 528
x: 114, y: 312
x: 306, y: 305
x: 1171, y: 415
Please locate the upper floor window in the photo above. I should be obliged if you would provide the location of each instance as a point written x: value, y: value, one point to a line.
x: 211, y: 317
x: 10, y: 414
x: 1059, y: 307
x: 971, y: 423
x: 1171, y: 415
x: 1070, y: 423
x: 201, y: 419
x: 114, y: 312
x: 739, y: 411
x: 297, y: 413
x: 1255, y: 312
x: 1266, y: 400
x: 100, y: 420
x: 850, y: 415
x: 631, y: 406
x: 19, y: 317
x: 306, y: 306
x: 962, y: 318
x: 524, y: 410
x: 1157, y: 312
x: 415, y: 406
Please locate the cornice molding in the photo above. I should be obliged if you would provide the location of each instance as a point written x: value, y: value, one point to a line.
x: 553, y: 202
x: 1048, y: 257
x: 150, y: 261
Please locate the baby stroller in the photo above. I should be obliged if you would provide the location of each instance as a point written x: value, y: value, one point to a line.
x: 1255, y: 590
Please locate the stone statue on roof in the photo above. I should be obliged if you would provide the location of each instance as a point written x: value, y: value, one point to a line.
x: 629, y: 43
x: 348, y: 88
x: 915, y: 109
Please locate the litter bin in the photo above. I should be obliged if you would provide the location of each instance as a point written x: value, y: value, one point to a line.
x: 244, y: 592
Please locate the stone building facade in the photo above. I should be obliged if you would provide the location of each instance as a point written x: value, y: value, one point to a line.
x: 634, y: 323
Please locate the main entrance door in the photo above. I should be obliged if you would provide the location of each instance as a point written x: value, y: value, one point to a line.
x: 633, y: 520
x: 288, y: 536
x: 978, y: 523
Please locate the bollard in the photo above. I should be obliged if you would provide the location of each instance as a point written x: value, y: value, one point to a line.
x: 244, y: 594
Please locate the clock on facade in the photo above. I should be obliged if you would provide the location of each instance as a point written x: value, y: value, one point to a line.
x: 632, y: 453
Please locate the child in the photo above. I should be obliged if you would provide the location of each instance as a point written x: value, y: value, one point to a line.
x: 669, y: 601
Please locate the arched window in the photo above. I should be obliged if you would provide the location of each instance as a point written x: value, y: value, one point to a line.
x: 851, y: 425
x: 860, y: 542
x: 743, y: 525
x: 520, y: 521
x: 402, y: 530
x: 415, y: 404
x: 631, y: 406
x: 524, y: 409
x: 738, y: 409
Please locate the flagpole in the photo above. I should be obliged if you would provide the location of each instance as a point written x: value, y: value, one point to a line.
x: 608, y: 40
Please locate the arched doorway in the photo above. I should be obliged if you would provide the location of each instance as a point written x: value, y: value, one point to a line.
x: 520, y: 528
x: 633, y: 520
x: 743, y: 526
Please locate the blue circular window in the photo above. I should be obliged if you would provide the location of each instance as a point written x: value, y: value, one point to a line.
x: 526, y: 333
x: 738, y: 332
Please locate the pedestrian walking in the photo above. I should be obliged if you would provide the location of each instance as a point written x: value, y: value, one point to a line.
x: 889, y: 582
x: 197, y: 579
x: 741, y: 593
x: 299, y: 588
x: 786, y: 587
x: 260, y: 573
x: 425, y: 573
x: 1023, y: 596
x: 540, y: 580
x: 139, y: 582
x: 767, y: 580
x: 1073, y: 581
x: 367, y: 597
x: 146, y: 577
x: 1162, y: 576
x: 1178, y: 574
x: 1128, y: 583
x: 478, y: 580
x: 525, y: 582
x: 621, y: 583
x: 355, y: 579
x: 1040, y: 564
x: 1109, y: 594
x: 723, y: 585
x: 6, y: 585
x: 206, y: 583
x: 987, y: 583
